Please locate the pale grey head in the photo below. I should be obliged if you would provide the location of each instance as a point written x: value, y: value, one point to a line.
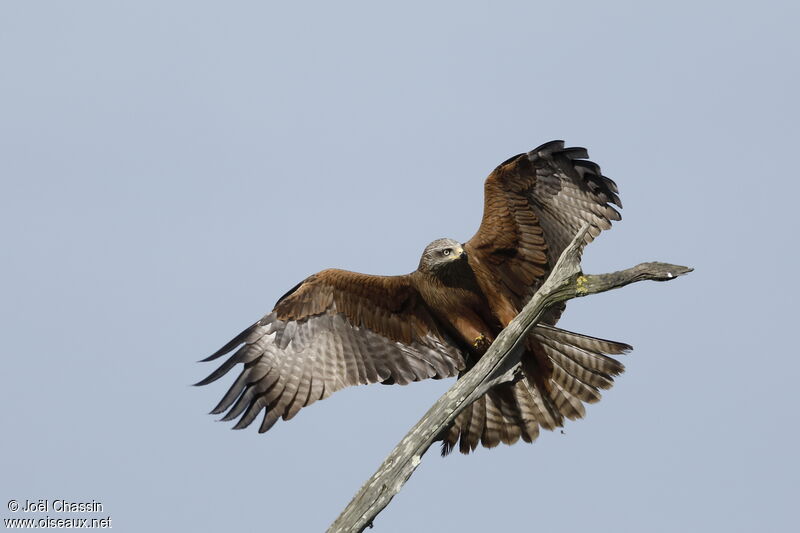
x: 440, y: 254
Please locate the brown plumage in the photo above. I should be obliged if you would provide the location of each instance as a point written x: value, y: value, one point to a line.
x: 340, y: 328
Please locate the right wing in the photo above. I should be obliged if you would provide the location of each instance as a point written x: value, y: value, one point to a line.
x: 335, y: 329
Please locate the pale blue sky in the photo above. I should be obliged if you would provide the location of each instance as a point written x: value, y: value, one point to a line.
x: 170, y: 168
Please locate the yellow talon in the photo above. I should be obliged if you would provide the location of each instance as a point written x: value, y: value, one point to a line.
x: 480, y: 341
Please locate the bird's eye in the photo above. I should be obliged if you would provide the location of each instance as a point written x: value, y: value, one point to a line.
x: 446, y: 251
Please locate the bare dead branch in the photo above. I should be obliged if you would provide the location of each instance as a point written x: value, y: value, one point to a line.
x: 498, y: 364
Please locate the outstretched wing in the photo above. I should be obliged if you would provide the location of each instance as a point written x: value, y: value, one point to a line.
x: 534, y: 204
x: 333, y: 330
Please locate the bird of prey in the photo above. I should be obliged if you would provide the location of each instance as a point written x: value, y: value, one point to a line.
x: 339, y: 328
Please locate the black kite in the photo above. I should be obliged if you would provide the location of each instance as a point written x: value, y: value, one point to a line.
x: 340, y: 328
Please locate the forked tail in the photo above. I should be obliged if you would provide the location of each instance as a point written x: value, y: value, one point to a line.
x: 562, y: 370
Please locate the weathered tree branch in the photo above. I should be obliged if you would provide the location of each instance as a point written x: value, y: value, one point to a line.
x: 498, y: 364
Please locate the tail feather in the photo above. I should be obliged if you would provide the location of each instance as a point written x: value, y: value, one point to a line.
x: 591, y: 360
x: 511, y: 416
x: 591, y: 378
x: 569, y: 406
x: 573, y: 386
x: 530, y: 426
x: 562, y: 370
x: 477, y: 422
x: 490, y: 436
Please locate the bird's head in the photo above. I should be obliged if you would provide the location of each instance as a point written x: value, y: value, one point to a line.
x: 441, y: 254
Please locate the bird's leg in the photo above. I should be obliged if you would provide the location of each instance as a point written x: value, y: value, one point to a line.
x: 472, y: 330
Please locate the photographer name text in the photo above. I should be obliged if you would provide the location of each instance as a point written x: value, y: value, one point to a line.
x: 58, y: 506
